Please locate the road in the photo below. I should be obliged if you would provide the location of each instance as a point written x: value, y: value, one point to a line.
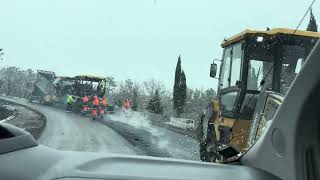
x: 130, y: 133
x: 68, y: 131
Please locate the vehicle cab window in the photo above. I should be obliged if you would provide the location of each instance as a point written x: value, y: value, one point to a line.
x: 227, y: 101
x: 225, y: 69
x: 231, y: 66
x: 258, y: 71
x: 230, y: 75
x: 236, y: 64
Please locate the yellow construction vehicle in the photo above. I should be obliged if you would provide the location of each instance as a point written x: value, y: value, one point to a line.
x: 256, y: 70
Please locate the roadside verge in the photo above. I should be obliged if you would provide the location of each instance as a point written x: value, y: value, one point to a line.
x: 26, y: 118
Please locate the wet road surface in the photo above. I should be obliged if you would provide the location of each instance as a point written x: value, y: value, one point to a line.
x: 121, y: 133
x: 68, y: 131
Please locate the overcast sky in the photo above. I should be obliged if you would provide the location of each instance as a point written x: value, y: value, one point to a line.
x: 137, y: 39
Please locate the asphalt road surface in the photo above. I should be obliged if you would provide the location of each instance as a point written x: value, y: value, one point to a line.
x: 121, y: 133
x: 68, y: 131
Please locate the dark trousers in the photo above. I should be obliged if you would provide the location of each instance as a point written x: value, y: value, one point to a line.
x: 69, y: 107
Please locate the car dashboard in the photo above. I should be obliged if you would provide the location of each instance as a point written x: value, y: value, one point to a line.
x: 22, y: 158
x: 41, y: 162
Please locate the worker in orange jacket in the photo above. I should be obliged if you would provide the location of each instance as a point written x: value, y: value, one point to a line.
x: 95, y: 105
x: 95, y: 101
x: 85, y: 101
x: 103, y: 106
x: 126, y: 104
x: 104, y: 102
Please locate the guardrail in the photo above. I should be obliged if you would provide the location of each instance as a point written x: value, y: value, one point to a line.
x: 186, y: 124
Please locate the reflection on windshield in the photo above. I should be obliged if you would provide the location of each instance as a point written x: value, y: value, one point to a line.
x: 141, y: 69
x: 293, y: 58
x: 258, y: 71
x: 228, y: 100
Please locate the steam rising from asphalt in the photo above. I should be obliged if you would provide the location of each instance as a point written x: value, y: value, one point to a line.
x: 140, y: 121
x: 180, y: 146
x: 135, y: 119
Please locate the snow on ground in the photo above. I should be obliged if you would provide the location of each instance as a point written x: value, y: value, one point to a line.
x: 23, y: 117
x: 9, y: 108
x: 8, y: 118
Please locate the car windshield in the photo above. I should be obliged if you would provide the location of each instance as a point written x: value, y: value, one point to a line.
x: 132, y: 77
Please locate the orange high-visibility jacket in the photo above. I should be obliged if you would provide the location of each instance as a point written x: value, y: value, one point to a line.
x: 85, y: 99
x: 104, y: 101
x: 126, y: 104
x: 95, y: 101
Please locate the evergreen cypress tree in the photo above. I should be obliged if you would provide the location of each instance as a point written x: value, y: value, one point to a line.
x: 176, y: 87
x: 179, y: 89
x: 183, y: 91
x: 312, y: 26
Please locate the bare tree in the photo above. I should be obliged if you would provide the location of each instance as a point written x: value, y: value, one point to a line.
x: 152, y: 85
x: 14, y: 81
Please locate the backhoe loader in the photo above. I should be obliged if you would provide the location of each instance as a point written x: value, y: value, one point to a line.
x: 256, y: 71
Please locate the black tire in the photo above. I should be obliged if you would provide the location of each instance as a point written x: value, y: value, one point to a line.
x: 202, y: 145
x: 207, y: 146
x: 208, y: 149
x: 199, y: 130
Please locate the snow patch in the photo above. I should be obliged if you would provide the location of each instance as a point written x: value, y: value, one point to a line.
x: 8, y: 118
x: 10, y: 108
x: 163, y: 143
